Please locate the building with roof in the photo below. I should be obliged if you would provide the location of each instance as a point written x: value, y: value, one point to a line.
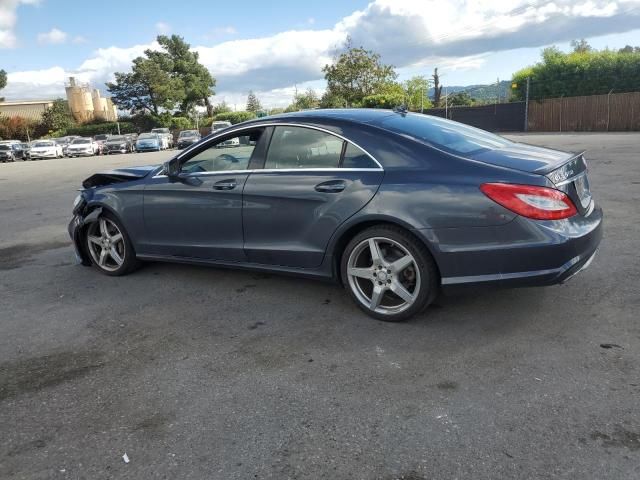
x: 27, y: 109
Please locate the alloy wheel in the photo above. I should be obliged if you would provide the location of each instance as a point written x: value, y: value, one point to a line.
x: 383, y: 275
x: 106, y: 244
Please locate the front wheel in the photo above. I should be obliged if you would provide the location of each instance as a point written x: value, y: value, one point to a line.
x: 389, y: 273
x: 109, y: 246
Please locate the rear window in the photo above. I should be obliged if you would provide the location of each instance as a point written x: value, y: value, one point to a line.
x: 452, y: 137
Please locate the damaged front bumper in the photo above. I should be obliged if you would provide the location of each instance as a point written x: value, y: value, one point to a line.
x: 76, y: 230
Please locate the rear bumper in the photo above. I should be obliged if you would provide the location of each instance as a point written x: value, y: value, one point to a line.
x: 521, y: 253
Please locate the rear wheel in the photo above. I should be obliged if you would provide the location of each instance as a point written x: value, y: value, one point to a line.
x: 109, y: 246
x: 389, y: 273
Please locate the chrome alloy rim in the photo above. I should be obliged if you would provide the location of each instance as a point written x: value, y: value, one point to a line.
x: 106, y: 244
x: 383, y: 275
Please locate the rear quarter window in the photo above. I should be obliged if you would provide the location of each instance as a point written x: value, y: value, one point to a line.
x: 452, y: 137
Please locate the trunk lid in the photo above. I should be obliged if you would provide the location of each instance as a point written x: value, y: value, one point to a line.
x: 527, y: 158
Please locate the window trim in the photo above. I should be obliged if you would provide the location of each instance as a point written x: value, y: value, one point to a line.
x: 212, y: 138
x: 266, y: 153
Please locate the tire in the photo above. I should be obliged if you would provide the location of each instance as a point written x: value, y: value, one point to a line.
x: 402, y: 264
x: 119, y: 256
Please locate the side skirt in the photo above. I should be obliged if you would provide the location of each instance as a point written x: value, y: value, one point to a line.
x: 322, y: 273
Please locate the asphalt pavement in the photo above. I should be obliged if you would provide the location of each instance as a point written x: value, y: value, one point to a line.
x: 201, y: 373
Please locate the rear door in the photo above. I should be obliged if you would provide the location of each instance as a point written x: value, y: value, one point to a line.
x: 312, y: 181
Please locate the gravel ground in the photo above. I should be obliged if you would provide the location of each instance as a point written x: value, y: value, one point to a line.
x: 205, y: 373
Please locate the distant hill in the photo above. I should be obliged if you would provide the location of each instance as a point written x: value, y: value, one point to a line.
x: 485, y: 93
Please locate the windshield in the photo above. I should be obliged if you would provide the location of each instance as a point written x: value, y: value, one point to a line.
x: 101, y: 137
x: 188, y: 133
x: 220, y: 126
x: 117, y: 139
x: 80, y: 140
x: 148, y: 136
x: 452, y: 137
x: 43, y: 144
x: 5, y: 147
x: 160, y: 130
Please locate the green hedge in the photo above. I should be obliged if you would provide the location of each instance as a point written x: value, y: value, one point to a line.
x: 90, y: 130
x: 235, y: 117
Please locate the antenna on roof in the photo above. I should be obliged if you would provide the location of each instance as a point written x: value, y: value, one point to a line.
x: 401, y: 109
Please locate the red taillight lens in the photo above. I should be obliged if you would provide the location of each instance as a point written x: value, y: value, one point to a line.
x: 539, y: 203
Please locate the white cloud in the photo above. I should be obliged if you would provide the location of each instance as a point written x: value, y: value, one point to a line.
x: 163, y: 27
x: 406, y: 33
x: 79, y: 39
x: 53, y: 36
x: 8, y: 19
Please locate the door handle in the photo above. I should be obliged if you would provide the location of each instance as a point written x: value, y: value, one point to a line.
x: 224, y: 185
x: 332, y: 186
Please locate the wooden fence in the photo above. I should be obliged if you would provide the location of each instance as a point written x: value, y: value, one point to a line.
x: 593, y: 113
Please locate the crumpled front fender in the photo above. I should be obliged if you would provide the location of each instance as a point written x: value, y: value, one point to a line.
x: 76, y: 229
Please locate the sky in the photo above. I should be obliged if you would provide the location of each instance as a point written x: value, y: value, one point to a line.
x: 276, y: 47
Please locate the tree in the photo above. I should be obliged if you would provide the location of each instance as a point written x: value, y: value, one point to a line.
x: 148, y: 88
x: 629, y: 49
x: 163, y: 79
x: 577, y: 73
x: 331, y: 100
x: 460, y: 99
x: 580, y: 46
x: 417, y: 93
x: 55, y: 119
x: 183, y: 64
x: 3, y: 82
x: 17, y: 128
x: 355, y: 74
x: 222, y: 107
x: 437, y: 88
x: 253, y: 104
x: 304, y: 101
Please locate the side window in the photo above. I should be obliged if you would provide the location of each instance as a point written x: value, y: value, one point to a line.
x: 356, y: 158
x: 227, y: 154
x: 299, y: 147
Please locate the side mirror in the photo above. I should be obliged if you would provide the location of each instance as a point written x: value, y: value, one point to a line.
x: 172, y: 169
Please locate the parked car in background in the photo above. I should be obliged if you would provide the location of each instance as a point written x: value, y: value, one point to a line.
x: 9, y: 142
x: 188, y: 137
x: 394, y: 206
x: 100, y: 139
x: 6, y: 153
x: 26, y: 148
x: 219, y: 126
x: 83, y: 146
x: 64, y: 142
x: 133, y: 138
x: 46, y: 149
x: 148, y: 142
x: 118, y: 144
x: 165, y: 134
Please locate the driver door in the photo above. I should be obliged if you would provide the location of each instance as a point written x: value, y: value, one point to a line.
x: 199, y: 215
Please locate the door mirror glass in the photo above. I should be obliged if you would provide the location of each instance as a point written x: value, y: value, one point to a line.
x: 171, y: 169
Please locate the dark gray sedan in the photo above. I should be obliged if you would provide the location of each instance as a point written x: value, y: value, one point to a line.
x: 395, y: 206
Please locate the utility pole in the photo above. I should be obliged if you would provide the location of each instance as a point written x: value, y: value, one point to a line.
x: 526, y: 107
x: 118, y: 124
x: 446, y: 103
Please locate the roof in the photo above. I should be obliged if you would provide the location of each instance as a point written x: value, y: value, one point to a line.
x: 24, y: 102
x: 356, y: 115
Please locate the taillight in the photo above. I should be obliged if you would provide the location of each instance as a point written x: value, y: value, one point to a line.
x: 539, y: 203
